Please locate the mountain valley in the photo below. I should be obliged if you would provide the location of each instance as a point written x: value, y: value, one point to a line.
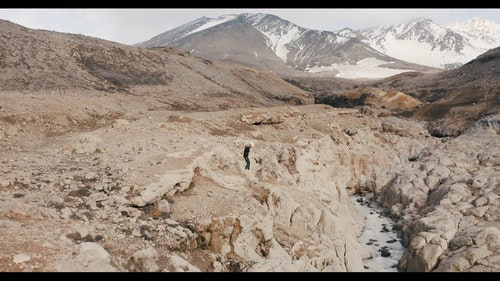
x: 119, y: 158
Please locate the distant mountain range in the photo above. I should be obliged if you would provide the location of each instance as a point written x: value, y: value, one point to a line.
x: 424, y: 42
x: 269, y: 42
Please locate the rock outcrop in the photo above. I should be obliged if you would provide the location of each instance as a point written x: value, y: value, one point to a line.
x: 446, y: 203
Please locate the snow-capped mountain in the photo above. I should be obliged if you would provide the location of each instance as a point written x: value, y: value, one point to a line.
x: 424, y: 42
x: 267, y: 41
x: 482, y: 33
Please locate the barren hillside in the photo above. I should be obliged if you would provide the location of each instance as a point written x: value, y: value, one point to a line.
x: 44, y: 61
x: 451, y: 101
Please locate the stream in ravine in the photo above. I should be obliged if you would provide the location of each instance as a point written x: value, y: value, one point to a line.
x: 378, y: 237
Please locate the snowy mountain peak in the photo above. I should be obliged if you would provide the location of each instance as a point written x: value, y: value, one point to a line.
x: 265, y: 40
x: 475, y: 23
x: 425, y: 42
x: 483, y: 33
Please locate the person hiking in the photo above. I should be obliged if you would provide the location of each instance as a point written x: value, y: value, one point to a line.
x: 246, y: 151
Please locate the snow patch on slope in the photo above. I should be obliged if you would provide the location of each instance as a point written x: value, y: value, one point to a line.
x: 278, y: 42
x: 365, y: 68
x: 212, y: 23
x: 423, y: 53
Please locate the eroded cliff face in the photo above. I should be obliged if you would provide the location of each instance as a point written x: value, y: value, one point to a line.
x: 167, y: 191
x: 446, y: 202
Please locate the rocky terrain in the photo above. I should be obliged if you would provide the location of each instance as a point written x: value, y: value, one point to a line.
x: 120, y: 159
x: 450, y: 101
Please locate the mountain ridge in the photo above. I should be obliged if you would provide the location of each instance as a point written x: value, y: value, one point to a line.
x: 266, y: 41
x: 417, y: 45
x: 430, y: 44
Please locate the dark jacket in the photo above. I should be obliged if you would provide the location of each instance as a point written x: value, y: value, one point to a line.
x: 246, y: 151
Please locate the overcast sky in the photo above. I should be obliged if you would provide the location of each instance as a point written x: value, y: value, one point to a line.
x: 131, y: 26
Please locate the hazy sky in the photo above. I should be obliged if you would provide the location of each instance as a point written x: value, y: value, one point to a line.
x: 130, y: 26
